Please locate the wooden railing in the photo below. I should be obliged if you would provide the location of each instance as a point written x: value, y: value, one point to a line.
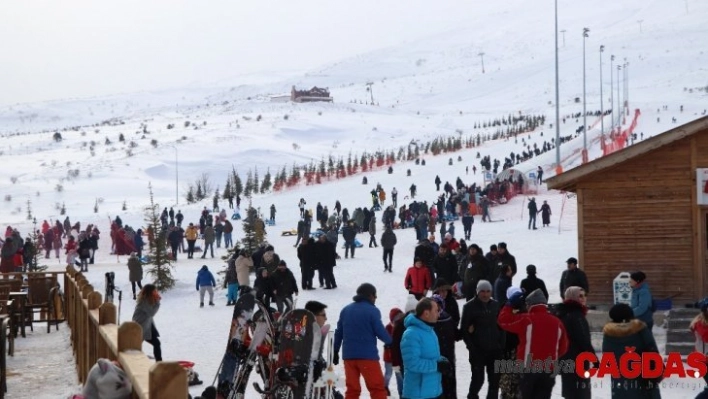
x: 94, y: 334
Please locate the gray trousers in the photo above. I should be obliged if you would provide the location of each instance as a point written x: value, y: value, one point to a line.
x: 203, y: 289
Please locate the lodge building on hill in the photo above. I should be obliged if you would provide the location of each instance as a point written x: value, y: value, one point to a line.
x: 645, y: 208
x: 312, y: 95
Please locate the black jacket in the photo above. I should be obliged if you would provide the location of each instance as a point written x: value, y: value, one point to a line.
x: 500, y: 286
x: 531, y: 283
x: 573, y: 278
x: 446, y: 330
x: 508, y: 259
x: 486, y: 337
x: 426, y: 253
x: 572, y: 314
x: 477, y: 269
x: 349, y: 234
x: 325, y: 254
x: 446, y: 267
x: 388, y: 239
x: 306, y: 254
x: 283, y: 283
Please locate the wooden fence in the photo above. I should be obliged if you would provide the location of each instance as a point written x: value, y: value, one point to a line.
x: 94, y: 334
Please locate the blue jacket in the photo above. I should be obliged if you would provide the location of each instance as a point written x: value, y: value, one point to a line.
x: 205, y: 278
x: 358, y: 327
x: 641, y: 303
x: 138, y: 240
x: 421, y: 352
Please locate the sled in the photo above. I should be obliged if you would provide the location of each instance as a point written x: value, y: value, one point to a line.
x: 286, y: 233
x: 236, y: 216
x: 269, y: 222
x: 450, y: 218
x: 357, y: 244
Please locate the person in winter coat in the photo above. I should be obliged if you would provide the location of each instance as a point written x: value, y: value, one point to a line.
x: 437, y: 183
x: 209, y: 238
x: 272, y: 213
x: 7, y: 256
x: 541, y: 336
x: 325, y: 261
x: 358, y: 327
x: 191, y: 234
x: 349, y: 235
x: 218, y: 232
x: 179, y: 218
x: 372, y: 232
x: 284, y: 287
x: 641, y: 298
x: 445, y: 265
x: 228, y: 231
x: 502, y: 284
x: 174, y: 238
x: 443, y: 289
x: 48, y: 242
x: 138, y: 242
x: 306, y: 255
x: 546, y: 214
x: 573, y: 277
x: 484, y: 339
x: 84, y: 252
x: 388, y: 242
x: 506, y: 258
x: 71, y: 250
x: 447, y: 333
x: 205, y: 282
x: 699, y: 327
x: 572, y: 313
x: 533, y: 211
x: 425, y: 252
x: 148, y: 304
x: 398, y: 329
x: 477, y: 269
x: 422, y: 361
x: 467, y: 222
x: 395, y: 315
x: 531, y: 283
x: 231, y: 281
x: 94, y: 236
x: 626, y: 331
x: 135, y: 272
x: 417, y: 280
x: 244, y: 264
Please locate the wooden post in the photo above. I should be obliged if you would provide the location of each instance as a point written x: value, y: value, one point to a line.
x: 94, y: 336
x: 106, y: 315
x: 130, y: 336
x: 168, y: 380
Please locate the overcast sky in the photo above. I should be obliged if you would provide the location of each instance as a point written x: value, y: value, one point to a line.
x: 76, y: 48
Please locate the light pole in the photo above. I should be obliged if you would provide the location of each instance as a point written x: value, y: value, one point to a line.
x: 640, y: 25
x: 626, y: 86
x: 612, y: 93
x: 585, y: 121
x: 481, y: 55
x: 558, y: 154
x: 619, y: 101
x: 602, y: 100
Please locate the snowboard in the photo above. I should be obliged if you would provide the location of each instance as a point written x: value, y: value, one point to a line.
x: 296, y: 331
x: 238, y: 341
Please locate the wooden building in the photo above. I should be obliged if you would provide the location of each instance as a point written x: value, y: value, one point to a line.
x: 645, y: 208
x: 312, y: 95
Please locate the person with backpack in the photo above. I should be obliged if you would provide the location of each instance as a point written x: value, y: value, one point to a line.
x: 642, y: 303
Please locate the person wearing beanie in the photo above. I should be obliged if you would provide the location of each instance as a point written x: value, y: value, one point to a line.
x: 476, y: 269
x: 573, y: 277
x: 358, y: 328
x: 205, y: 282
x: 417, y: 280
x: 444, y: 290
x: 502, y: 284
x: 642, y: 303
x: 483, y: 338
x: 622, y: 332
x: 531, y: 282
x: 541, y: 336
x: 284, y: 287
x: 395, y: 316
x: 446, y: 330
x: 572, y: 313
x: 506, y: 258
x: 398, y: 329
x: 388, y: 242
x: 493, y: 255
x: 423, y: 362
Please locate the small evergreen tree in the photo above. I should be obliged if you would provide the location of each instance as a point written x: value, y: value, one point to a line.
x: 250, y: 240
x: 125, y: 206
x: 266, y: 185
x: 199, y: 194
x: 29, y: 210
x: 249, y: 185
x: 216, y: 199
x: 161, y: 270
x: 62, y: 211
x: 95, y: 206
x: 255, y: 181
x: 190, y: 195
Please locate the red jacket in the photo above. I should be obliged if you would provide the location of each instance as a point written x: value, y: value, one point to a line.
x: 70, y: 245
x: 395, y: 315
x: 417, y: 280
x: 546, y: 332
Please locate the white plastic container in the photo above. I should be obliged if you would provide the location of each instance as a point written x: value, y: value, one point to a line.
x: 621, y: 288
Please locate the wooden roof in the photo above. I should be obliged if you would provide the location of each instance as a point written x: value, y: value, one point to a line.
x: 568, y: 180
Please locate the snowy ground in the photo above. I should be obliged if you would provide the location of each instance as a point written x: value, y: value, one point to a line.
x: 425, y: 88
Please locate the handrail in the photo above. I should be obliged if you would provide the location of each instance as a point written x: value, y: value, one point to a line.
x: 94, y: 334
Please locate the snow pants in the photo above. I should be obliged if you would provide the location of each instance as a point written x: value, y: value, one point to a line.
x: 370, y: 370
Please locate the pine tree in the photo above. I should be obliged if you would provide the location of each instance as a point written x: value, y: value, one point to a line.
x: 237, y: 186
x: 190, y: 195
x: 253, y: 230
x: 62, y: 211
x: 265, y: 186
x: 228, y: 195
x: 125, y: 206
x: 249, y: 185
x: 199, y: 194
x: 95, y: 206
x: 255, y: 181
x: 162, y: 265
